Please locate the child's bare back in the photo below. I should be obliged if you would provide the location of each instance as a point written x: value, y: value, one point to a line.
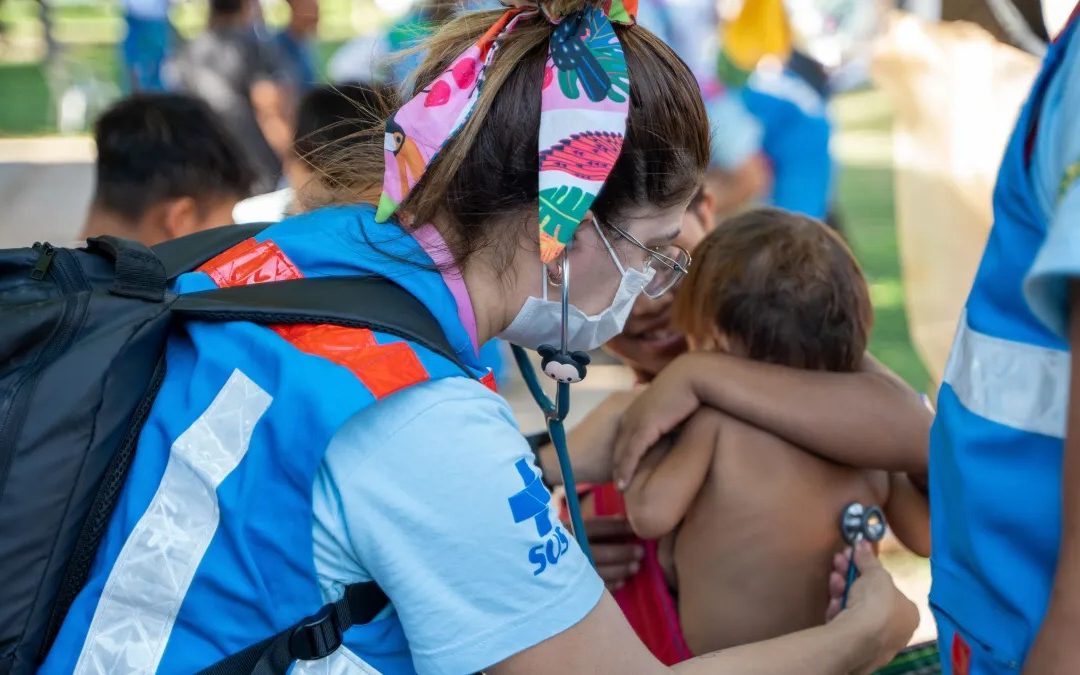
x: 748, y: 521
x: 752, y: 556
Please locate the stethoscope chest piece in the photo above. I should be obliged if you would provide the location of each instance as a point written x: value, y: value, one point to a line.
x: 858, y: 522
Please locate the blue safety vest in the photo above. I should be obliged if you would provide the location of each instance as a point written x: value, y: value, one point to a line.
x: 210, y: 548
x: 996, y: 445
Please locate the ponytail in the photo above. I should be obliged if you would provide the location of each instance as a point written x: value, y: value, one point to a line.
x: 483, y: 182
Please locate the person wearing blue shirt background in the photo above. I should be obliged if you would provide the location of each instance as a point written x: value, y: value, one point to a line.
x: 295, y: 43
x: 796, y: 128
x: 1005, y: 447
x: 146, y: 43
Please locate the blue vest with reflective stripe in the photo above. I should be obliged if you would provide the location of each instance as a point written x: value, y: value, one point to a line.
x: 996, y: 445
x: 210, y: 547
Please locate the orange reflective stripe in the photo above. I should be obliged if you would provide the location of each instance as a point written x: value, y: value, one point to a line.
x: 383, y: 369
x: 250, y: 262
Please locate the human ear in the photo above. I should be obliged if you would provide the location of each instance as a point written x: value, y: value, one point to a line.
x: 180, y: 217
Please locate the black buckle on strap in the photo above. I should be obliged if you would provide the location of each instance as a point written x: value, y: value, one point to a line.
x: 318, y: 636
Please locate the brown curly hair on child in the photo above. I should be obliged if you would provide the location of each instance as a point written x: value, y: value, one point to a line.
x: 778, y: 287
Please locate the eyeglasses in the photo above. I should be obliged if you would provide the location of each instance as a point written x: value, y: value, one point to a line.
x: 670, y: 264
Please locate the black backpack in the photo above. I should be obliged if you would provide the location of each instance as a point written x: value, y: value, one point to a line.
x: 82, y: 339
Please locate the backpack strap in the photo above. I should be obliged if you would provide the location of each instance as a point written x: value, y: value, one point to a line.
x: 139, y: 272
x: 315, y: 637
x: 187, y: 253
x: 371, y: 302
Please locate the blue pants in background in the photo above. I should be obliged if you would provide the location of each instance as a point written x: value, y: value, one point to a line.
x: 144, y: 50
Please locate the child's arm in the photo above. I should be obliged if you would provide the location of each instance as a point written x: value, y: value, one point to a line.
x: 867, y: 419
x: 908, y: 514
x: 667, y: 482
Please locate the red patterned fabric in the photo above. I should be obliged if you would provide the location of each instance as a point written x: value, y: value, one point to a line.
x: 384, y: 369
x: 645, y: 598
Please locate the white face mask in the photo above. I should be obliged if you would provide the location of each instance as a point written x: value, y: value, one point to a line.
x: 540, y: 320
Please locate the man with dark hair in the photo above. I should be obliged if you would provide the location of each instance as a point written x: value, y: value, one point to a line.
x: 244, y: 81
x: 165, y: 168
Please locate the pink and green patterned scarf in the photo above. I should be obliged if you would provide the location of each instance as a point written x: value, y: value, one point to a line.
x: 584, y: 106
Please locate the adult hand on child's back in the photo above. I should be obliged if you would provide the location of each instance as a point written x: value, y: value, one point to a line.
x: 616, y: 552
x: 668, y: 400
x: 874, y: 602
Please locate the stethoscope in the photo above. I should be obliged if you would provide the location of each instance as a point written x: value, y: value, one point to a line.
x: 555, y: 412
x: 859, y: 523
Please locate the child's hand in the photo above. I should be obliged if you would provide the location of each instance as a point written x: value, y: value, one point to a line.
x: 874, y: 602
x: 668, y: 400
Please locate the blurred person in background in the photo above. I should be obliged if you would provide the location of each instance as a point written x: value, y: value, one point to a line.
x: 165, y: 168
x: 146, y: 43
x: 385, y: 56
x: 327, y: 119
x: 296, y: 42
x: 794, y: 118
x: 787, y: 92
x: 245, y: 81
x: 738, y: 173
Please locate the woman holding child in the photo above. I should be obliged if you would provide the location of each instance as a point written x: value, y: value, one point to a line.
x: 795, y: 422
x: 318, y: 457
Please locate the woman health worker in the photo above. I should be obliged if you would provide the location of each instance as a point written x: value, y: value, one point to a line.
x: 280, y: 465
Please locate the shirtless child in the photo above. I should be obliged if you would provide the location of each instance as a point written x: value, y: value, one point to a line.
x: 748, y: 523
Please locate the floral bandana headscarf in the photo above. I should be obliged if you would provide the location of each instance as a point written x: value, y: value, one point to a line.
x: 584, y: 105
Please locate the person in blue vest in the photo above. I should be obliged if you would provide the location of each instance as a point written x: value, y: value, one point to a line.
x: 146, y: 45
x: 1004, y: 471
x: 282, y: 465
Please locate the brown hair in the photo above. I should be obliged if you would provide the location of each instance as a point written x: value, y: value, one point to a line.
x: 490, y: 168
x: 784, y: 286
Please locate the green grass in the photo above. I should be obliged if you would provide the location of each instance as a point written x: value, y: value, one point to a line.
x: 866, y: 200
x: 24, y: 87
x: 27, y: 111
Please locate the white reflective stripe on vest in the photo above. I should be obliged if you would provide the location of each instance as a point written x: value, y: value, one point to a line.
x: 1018, y: 385
x: 144, y: 591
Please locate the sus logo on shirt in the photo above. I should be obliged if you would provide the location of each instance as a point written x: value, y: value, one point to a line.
x: 533, y: 503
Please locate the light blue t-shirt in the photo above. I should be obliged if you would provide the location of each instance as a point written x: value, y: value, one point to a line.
x: 1055, y: 171
x: 433, y: 493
